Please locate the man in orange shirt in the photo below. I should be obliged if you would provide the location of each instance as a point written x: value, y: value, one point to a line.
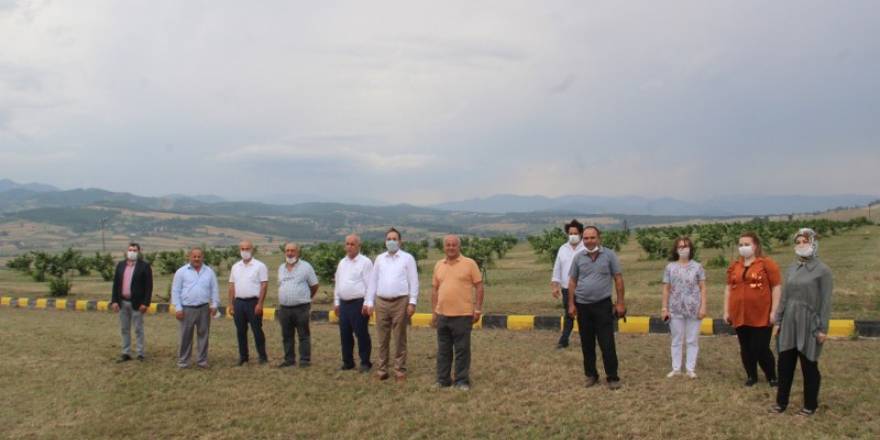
x: 454, y: 312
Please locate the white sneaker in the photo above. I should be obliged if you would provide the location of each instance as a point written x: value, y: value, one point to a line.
x: 673, y: 373
x: 691, y: 374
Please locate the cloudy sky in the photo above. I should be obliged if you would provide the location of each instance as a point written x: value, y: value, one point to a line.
x: 424, y: 102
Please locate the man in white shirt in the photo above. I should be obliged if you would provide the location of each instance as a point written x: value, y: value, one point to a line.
x: 559, y: 279
x: 248, y: 282
x: 297, y: 285
x: 393, y: 291
x: 351, y: 281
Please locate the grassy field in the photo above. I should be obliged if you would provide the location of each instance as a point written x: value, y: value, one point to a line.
x: 519, y: 284
x: 59, y: 380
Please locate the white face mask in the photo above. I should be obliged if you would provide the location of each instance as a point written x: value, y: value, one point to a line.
x: 574, y: 239
x: 804, y: 250
x: 684, y: 253
x: 246, y: 255
x: 392, y: 245
x: 131, y: 255
x: 291, y: 260
x: 593, y: 250
x: 746, y: 251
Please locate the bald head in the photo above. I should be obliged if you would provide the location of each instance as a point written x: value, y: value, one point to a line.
x: 352, y: 245
x: 452, y: 246
x: 247, y: 250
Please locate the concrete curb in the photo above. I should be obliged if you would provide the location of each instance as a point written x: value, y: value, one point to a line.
x: 633, y: 324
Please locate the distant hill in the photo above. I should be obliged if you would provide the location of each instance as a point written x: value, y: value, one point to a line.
x: 735, y: 205
x: 6, y: 185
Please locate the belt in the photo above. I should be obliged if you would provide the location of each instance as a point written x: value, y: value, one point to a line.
x: 293, y: 307
x: 396, y: 298
x: 350, y: 301
x: 252, y: 298
x: 195, y: 307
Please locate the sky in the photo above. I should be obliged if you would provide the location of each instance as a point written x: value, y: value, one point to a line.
x: 425, y: 102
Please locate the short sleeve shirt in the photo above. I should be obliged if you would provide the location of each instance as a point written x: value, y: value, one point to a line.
x: 594, y: 278
x: 751, y: 291
x: 454, y: 281
x: 247, y: 278
x: 685, y: 297
x: 294, y: 286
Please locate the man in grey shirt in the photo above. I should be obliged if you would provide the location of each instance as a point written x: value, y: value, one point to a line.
x: 297, y: 284
x: 590, y: 279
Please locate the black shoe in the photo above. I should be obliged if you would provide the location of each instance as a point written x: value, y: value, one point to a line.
x: 123, y: 358
x: 365, y: 368
x: 140, y: 357
x: 346, y: 368
x: 776, y: 409
x: 264, y: 361
x: 773, y: 383
x: 305, y: 364
x: 750, y: 381
x: 241, y: 362
x: 614, y: 384
x: 591, y: 381
x: 561, y: 346
x: 286, y: 364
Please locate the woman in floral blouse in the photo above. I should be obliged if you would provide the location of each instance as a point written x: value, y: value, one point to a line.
x: 684, y: 303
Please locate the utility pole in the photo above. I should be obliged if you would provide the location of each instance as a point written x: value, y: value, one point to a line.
x: 103, y: 223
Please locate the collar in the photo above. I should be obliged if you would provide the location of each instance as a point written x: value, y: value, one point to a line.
x: 446, y: 260
x: 809, y: 264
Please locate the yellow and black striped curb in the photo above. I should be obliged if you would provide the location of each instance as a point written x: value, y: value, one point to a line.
x: 632, y: 324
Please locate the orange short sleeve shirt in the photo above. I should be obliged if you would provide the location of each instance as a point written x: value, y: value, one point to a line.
x: 454, y: 281
x: 751, y: 291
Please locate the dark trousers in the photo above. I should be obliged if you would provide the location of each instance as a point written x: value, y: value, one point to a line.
x: 454, y: 338
x: 352, y: 323
x: 567, y: 321
x: 295, y: 319
x: 754, y: 349
x: 245, y: 314
x: 812, y: 378
x: 596, y: 322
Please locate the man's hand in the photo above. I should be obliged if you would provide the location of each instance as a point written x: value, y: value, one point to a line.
x: 477, y: 315
x: 258, y: 310
x: 367, y: 311
x: 572, y: 311
x: 115, y: 307
x: 230, y: 311
x: 212, y: 310
x: 179, y: 315
x: 410, y: 310
x: 620, y: 308
x: 142, y: 309
x: 434, y: 320
x: 821, y: 337
x: 556, y: 291
x: 336, y: 310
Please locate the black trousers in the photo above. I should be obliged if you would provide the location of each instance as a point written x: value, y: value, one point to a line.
x: 812, y: 378
x: 245, y: 314
x: 353, y: 324
x: 295, y: 319
x: 454, y: 339
x: 596, y: 322
x: 567, y: 321
x: 754, y: 350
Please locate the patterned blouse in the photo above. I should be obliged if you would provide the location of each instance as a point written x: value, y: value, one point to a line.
x: 684, y: 288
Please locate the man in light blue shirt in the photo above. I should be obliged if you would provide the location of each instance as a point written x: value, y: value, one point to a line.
x: 297, y: 285
x: 196, y: 297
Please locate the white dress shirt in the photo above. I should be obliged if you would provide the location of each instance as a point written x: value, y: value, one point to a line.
x: 393, y: 276
x: 562, y: 266
x: 352, y: 278
x: 248, y: 277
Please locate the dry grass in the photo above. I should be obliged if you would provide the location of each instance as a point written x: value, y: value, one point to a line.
x: 58, y: 379
x: 519, y: 284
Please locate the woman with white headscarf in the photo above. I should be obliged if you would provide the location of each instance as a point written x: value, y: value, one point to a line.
x: 803, y: 315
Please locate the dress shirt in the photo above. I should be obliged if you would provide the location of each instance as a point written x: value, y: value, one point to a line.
x: 294, y: 285
x: 562, y: 266
x: 393, y: 275
x: 126, y: 280
x: 247, y: 278
x: 352, y: 278
x: 192, y: 287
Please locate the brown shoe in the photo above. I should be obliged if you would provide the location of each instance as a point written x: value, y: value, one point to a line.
x: 591, y: 381
x: 613, y: 384
x: 381, y: 376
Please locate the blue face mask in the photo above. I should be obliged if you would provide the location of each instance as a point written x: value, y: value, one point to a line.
x: 392, y: 245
